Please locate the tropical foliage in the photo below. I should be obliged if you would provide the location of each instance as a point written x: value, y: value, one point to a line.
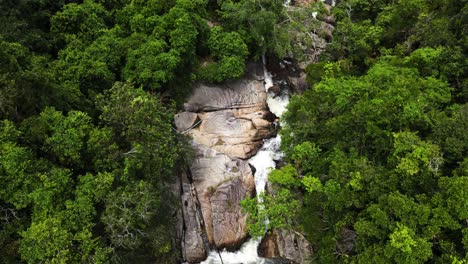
x: 377, y: 146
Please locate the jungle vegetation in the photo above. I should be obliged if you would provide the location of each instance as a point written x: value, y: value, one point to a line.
x: 377, y: 146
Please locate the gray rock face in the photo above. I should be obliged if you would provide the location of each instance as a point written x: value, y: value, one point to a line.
x: 233, y: 117
x: 298, y: 84
x: 230, y: 95
x: 347, y: 242
x: 219, y: 184
x: 287, y: 245
x: 185, y: 120
x: 193, y: 246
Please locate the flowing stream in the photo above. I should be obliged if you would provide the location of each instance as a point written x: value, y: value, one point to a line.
x: 263, y: 162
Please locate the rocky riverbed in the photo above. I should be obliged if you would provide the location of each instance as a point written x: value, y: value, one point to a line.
x: 228, y: 124
x: 231, y: 121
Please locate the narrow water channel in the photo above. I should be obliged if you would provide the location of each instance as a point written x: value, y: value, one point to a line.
x: 263, y: 162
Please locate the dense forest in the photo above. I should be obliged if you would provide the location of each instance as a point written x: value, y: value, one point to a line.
x: 88, y: 90
x: 376, y: 148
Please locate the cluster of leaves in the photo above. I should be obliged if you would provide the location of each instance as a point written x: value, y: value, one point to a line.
x: 377, y: 146
x: 230, y: 53
x: 275, y: 210
x: 366, y: 30
x: 255, y: 21
x: 302, y: 31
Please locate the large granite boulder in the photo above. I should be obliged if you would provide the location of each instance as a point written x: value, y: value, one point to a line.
x: 221, y: 183
x: 233, y: 117
x: 236, y: 132
x: 229, y: 224
x: 185, y: 120
x: 242, y: 93
x: 227, y: 124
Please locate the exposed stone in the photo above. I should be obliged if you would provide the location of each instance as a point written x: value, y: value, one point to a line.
x: 294, y: 246
x: 185, y: 120
x: 234, y: 120
x: 229, y: 228
x: 327, y: 31
x: 236, y: 132
x: 298, y: 84
x: 221, y: 182
x: 319, y: 26
x: 276, y: 89
x: 268, y: 247
x: 288, y: 245
x: 329, y: 19
x: 193, y: 246
x: 255, y: 71
x: 178, y: 241
x: 230, y: 95
x: 330, y: 3
x: 304, y: 3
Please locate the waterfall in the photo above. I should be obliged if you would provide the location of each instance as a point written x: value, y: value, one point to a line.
x: 263, y: 162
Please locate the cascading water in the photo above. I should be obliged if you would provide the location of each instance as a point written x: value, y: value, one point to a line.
x: 263, y: 162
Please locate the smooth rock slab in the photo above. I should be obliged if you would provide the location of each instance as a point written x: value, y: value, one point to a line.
x: 229, y: 228
x: 185, y: 120
x: 221, y: 183
x: 236, y: 132
x: 230, y: 95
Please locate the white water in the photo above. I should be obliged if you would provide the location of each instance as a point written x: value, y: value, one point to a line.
x: 278, y: 104
x: 264, y: 161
